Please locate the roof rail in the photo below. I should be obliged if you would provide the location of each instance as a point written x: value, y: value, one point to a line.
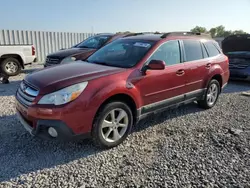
x: 141, y: 33
x: 186, y: 34
x: 133, y: 34
x: 104, y: 33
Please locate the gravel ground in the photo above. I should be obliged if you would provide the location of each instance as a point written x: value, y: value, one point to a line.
x: 186, y: 147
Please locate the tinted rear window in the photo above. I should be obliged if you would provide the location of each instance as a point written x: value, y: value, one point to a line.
x: 212, y: 50
x: 193, y: 50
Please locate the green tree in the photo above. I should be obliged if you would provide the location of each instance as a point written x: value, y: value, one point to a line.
x: 237, y: 32
x: 199, y: 29
x: 218, y: 31
x: 212, y: 32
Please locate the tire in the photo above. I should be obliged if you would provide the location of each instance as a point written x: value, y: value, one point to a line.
x: 209, y: 102
x: 11, y: 66
x: 103, y: 134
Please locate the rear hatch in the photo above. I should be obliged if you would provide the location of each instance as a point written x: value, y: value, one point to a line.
x: 237, y: 48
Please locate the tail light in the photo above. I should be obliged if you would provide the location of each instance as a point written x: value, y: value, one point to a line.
x: 227, y: 60
x: 33, y: 50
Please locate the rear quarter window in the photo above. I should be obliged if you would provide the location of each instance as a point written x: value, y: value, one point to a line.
x: 212, y: 49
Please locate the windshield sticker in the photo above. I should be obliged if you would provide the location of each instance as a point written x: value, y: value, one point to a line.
x: 141, y: 44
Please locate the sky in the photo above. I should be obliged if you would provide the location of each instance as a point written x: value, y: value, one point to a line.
x: 123, y: 15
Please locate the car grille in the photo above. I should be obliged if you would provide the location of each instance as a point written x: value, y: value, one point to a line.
x: 52, y: 61
x: 239, y: 64
x: 26, y: 94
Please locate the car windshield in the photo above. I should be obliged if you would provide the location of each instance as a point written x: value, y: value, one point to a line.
x: 122, y: 53
x: 93, y: 42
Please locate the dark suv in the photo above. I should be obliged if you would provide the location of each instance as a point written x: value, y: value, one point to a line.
x: 82, y: 50
x: 237, y: 48
x: 121, y: 83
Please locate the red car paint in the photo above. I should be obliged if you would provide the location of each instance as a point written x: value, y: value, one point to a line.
x: 104, y: 82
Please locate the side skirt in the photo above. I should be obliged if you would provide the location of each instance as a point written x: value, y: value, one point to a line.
x: 171, y: 103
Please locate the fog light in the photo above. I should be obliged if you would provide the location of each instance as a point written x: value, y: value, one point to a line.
x: 52, y: 132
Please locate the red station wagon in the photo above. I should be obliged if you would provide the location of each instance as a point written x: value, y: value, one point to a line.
x: 126, y: 80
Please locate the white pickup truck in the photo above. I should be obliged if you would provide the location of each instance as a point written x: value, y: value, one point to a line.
x: 13, y: 58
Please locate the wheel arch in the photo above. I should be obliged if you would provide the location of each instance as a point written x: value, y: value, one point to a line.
x: 218, y: 77
x: 122, y: 97
x: 16, y: 56
x: 215, y: 73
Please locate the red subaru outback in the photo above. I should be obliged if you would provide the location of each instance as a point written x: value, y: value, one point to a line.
x: 126, y: 80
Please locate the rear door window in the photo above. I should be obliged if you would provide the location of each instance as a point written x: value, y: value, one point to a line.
x: 193, y: 50
x: 211, y: 48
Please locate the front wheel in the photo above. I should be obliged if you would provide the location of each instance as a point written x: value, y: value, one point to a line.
x: 112, y: 125
x: 211, y: 95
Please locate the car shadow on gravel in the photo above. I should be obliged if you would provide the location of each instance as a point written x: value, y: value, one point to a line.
x: 237, y: 87
x: 20, y: 153
x: 9, y: 89
x: 30, y: 70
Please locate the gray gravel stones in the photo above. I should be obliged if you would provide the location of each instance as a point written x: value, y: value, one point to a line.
x: 186, y: 147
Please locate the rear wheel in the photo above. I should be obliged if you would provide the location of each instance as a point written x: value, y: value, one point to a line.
x: 11, y: 66
x: 112, y: 125
x: 211, y: 95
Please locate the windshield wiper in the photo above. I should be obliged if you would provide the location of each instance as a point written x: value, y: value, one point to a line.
x: 108, y: 64
x: 101, y: 63
x: 82, y: 46
x: 85, y: 47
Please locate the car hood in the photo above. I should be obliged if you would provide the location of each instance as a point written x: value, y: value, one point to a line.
x: 236, y: 43
x: 71, y: 51
x: 54, y: 78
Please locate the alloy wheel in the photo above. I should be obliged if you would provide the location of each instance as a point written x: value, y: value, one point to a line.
x: 212, y: 94
x: 11, y: 67
x: 114, y: 125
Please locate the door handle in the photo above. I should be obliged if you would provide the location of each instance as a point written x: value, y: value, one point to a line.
x: 180, y: 72
x: 208, y: 66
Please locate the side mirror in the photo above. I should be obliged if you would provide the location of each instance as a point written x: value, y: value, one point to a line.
x: 154, y: 65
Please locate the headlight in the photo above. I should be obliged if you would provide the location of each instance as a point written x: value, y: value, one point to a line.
x: 64, y: 95
x: 68, y: 60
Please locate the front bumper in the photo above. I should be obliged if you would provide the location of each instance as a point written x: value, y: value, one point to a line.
x: 243, y: 74
x: 41, y: 129
x: 69, y: 123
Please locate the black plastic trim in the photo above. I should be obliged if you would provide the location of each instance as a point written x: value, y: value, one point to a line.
x: 170, y: 103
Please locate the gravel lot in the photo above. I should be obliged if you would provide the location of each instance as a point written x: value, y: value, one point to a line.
x: 186, y: 147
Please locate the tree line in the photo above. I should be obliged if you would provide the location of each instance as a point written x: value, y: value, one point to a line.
x: 218, y: 31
